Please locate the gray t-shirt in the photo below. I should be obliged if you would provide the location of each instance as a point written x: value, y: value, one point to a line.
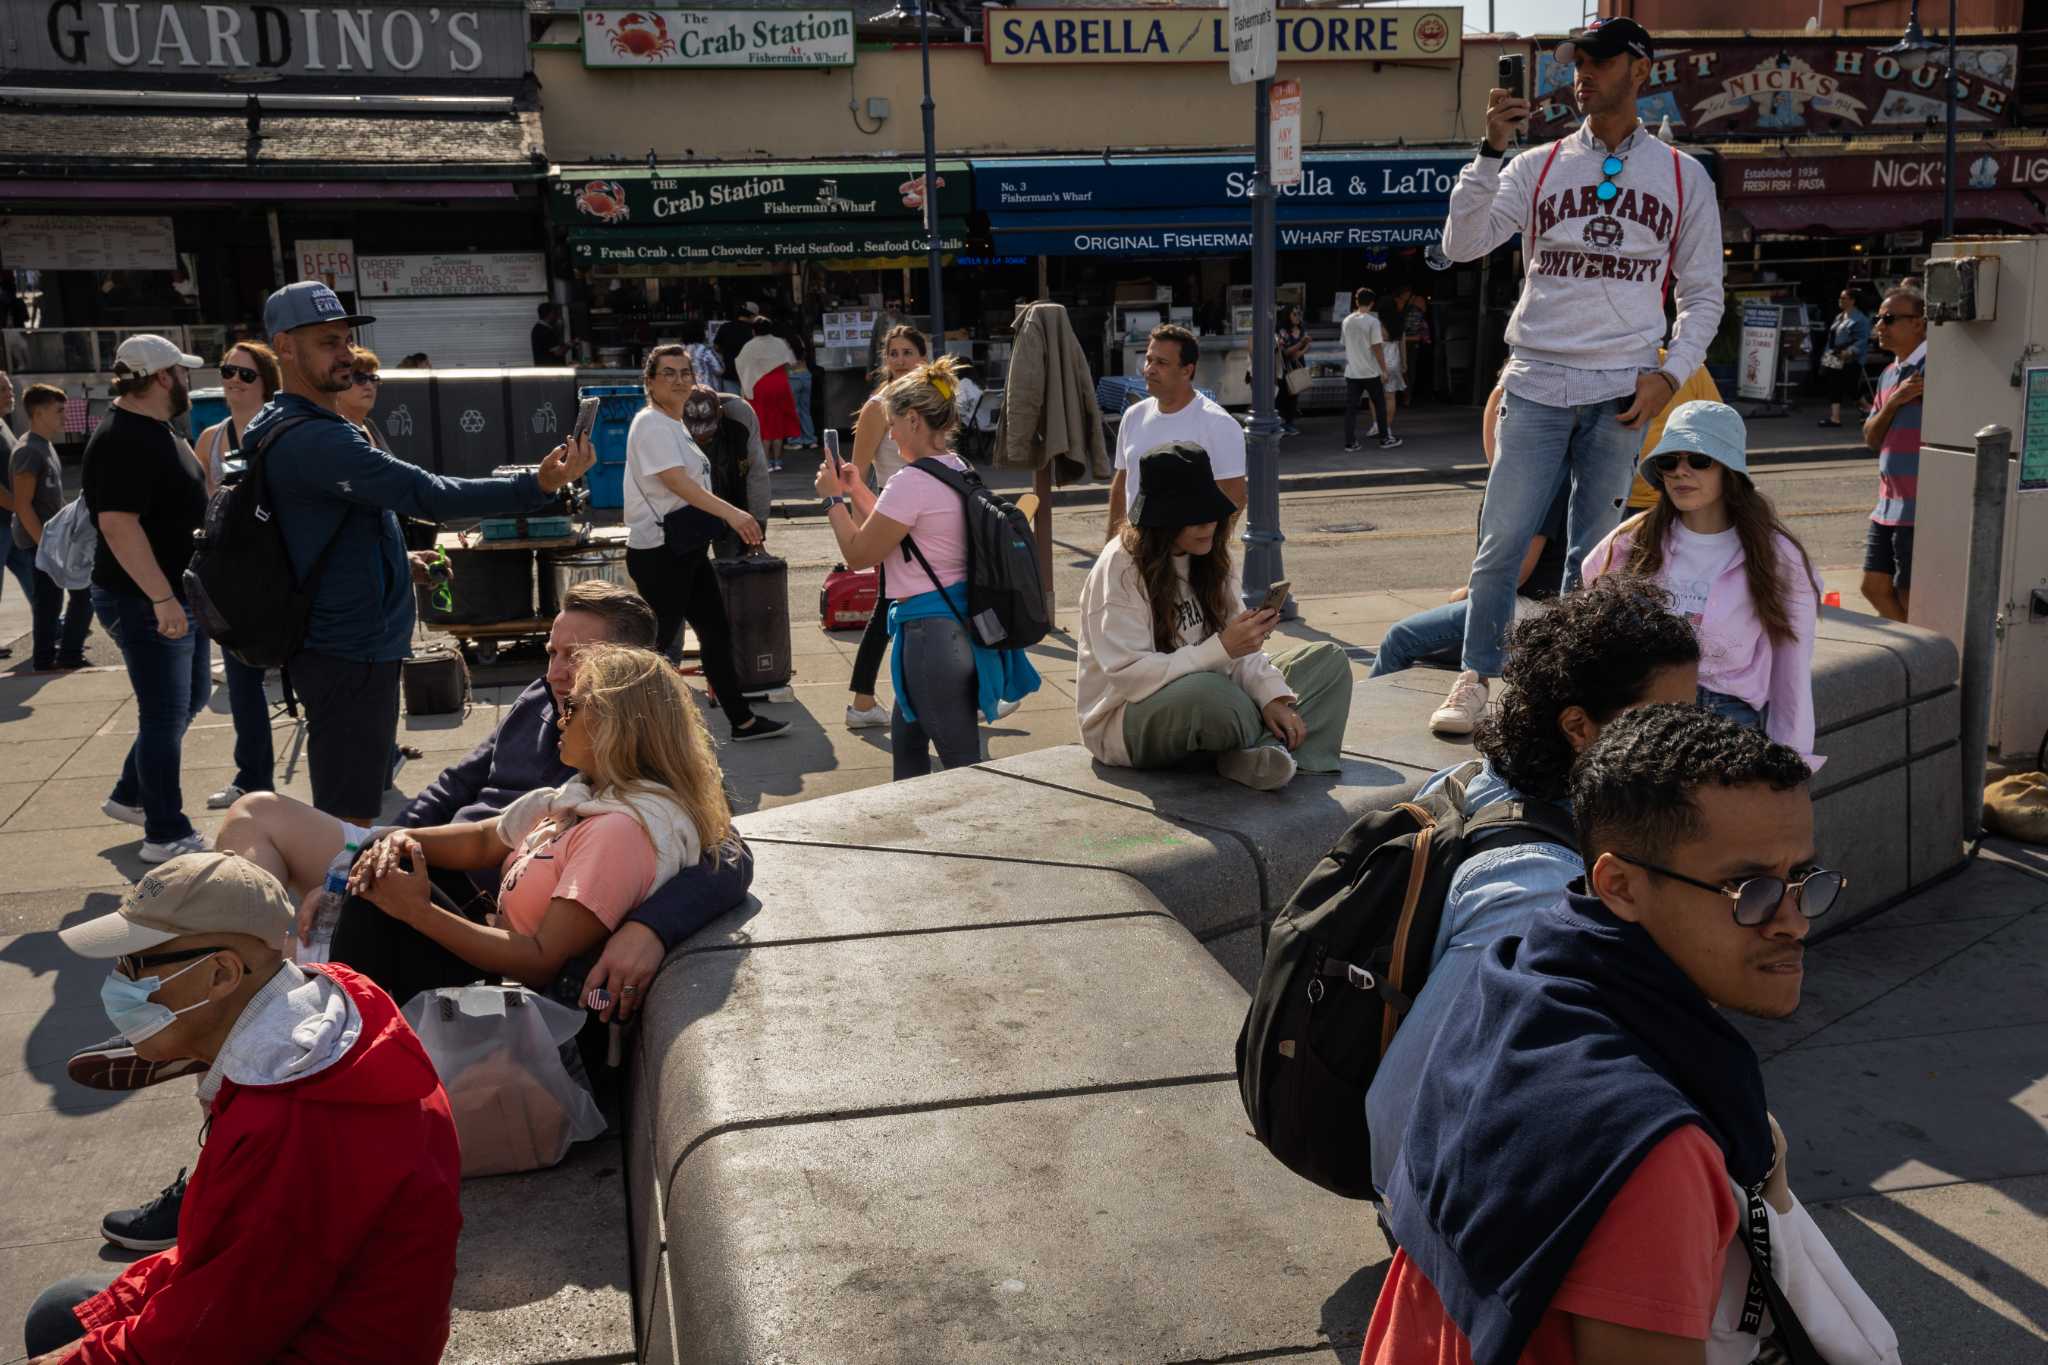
x: 9, y: 442
x: 38, y: 457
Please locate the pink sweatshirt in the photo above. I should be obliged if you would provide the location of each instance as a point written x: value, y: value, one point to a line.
x: 1736, y: 655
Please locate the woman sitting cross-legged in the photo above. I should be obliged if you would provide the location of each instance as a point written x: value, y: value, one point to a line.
x: 1171, y: 667
x: 646, y: 800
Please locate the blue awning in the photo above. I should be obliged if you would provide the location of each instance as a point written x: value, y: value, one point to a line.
x: 1182, y: 232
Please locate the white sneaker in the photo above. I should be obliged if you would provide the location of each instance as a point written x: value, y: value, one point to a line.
x: 1264, y: 768
x: 1374, y: 432
x: 1007, y: 708
x: 874, y: 718
x: 225, y: 797
x: 114, y: 810
x: 1462, y: 709
x: 163, y: 853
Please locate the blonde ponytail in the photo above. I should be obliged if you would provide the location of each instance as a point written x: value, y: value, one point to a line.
x: 931, y: 391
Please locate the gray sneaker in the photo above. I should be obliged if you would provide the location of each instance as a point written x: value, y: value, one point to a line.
x: 115, y: 810
x: 153, y: 852
x: 1263, y: 768
x: 225, y: 797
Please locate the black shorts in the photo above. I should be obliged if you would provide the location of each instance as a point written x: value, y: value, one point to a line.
x: 351, y: 727
x: 1889, y: 551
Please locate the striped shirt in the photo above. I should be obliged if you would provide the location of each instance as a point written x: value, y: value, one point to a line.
x: 1898, y: 455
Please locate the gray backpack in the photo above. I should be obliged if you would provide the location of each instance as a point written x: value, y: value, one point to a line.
x: 70, y: 541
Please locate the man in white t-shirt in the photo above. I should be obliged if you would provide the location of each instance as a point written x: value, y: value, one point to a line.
x: 1175, y: 412
x: 1368, y: 355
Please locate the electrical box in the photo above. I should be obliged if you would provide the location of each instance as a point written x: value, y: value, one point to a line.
x: 1989, y: 368
x: 878, y: 108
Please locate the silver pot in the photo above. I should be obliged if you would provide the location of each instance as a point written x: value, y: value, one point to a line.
x: 563, y: 569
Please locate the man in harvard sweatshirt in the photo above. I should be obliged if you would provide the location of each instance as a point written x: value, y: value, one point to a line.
x: 1615, y: 225
x: 320, y: 1224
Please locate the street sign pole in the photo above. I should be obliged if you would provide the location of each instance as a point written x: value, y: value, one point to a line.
x: 1262, y: 538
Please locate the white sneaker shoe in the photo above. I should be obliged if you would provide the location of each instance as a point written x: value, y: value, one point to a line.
x: 1462, y: 709
x: 1007, y: 708
x: 874, y: 718
x: 114, y: 810
x: 163, y: 853
x: 225, y: 797
x: 1263, y: 768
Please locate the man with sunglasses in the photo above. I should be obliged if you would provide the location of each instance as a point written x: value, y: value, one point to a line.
x: 1893, y: 432
x: 1614, y: 225
x: 336, y: 498
x: 1581, y: 1152
x: 323, y: 1214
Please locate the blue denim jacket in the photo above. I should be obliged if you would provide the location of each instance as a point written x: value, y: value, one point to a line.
x: 1850, y: 332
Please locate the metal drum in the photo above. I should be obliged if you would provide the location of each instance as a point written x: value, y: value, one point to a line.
x: 563, y: 569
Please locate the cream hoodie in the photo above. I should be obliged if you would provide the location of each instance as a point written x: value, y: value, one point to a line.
x: 669, y: 827
x: 1117, y: 664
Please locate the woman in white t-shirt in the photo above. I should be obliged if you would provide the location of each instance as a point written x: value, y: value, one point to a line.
x: 672, y: 517
x: 1716, y: 545
x: 1171, y: 668
x: 903, y: 350
x: 942, y: 675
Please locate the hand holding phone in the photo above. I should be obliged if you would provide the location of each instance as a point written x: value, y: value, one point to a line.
x: 1276, y: 596
x: 832, y: 448
x: 586, y: 419
x: 1507, y: 110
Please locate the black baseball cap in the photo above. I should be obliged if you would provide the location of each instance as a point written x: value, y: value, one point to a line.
x: 1603, y: 38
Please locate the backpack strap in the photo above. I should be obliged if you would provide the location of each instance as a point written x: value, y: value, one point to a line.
x: 1534, y: 821
x: 963, y: 483
x: 1529, y: 237
x: 1677, y: 224
x: 261, y: 473
x: 1764, y: 1289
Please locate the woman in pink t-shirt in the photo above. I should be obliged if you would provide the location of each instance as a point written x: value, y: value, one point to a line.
x: 647, y: 799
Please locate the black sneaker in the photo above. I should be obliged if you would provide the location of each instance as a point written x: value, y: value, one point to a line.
x: 762, y: 728
x: 1389, y: 442
x: 113, y: 1065
x: 154, y: 1226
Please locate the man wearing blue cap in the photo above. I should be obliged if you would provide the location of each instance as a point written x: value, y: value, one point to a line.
x: 331, y: 488
x: 1614, y: 226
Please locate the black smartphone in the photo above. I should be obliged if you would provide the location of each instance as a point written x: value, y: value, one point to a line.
x: 1514, y: 75
x: 832, y: 448
x: 586, y: 418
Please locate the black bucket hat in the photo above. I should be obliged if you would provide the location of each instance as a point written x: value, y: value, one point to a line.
x: 1177, y: 487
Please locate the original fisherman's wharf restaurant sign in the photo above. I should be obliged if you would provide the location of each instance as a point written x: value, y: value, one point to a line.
x: 476, y: 41
x: 1190, y: 33
x: 717, y: 37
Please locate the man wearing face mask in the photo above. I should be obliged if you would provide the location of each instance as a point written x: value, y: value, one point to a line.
x: 329, y: 1147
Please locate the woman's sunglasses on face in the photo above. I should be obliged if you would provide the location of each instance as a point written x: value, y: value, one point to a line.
x: 1668, y: 464
x: 566, y: 714
x: 366, y: 379
x: 241, y: 372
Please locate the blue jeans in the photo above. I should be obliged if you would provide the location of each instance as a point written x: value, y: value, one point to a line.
x: 1433, y: 636
x: 255, y: 759
x: 800, y: 389
x: 1540, y: 447
x: 172, y: 680
x: 21, y: 563
x: 938, y: 672
x: 1734, y: 708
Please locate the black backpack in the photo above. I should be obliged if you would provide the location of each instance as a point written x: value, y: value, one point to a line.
x: 240, y: 582
x: 1005, y: 595
x: 1344, y: 960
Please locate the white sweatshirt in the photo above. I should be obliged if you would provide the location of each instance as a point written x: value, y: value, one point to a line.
x: 1593, y: 298
x: 1117, y: 663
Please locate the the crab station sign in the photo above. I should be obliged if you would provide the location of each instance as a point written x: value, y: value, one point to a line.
x: 717, y: 37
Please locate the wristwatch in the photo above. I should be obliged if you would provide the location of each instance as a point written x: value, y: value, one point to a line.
x: 837, y: 500
x: 1487, y: 149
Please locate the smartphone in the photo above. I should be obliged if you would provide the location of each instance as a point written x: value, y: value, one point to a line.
x: 586, y: 418
x: 832, y: 448
x: 1276, y: 596
x: 1514, y: 75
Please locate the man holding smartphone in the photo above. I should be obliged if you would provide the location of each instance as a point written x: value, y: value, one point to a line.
x: 1615, y: 226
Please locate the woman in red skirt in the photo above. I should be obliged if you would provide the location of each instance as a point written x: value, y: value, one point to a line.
x: 764, y: 378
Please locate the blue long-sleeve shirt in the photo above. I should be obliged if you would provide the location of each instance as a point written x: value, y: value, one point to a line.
x: 524, y: 753
x: 1850, y: 331
x: 328, y: 482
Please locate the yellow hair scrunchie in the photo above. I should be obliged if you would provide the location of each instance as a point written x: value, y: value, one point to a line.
x: 945, y: 386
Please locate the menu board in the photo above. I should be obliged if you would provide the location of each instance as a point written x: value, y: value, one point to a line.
x: 465, y: 275
x: 40, y: 241
x: 2034, y: 431
x: 850, y: 328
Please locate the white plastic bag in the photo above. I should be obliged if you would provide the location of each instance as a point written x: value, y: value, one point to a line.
x: 498, y: 1052
x: 70, y: 541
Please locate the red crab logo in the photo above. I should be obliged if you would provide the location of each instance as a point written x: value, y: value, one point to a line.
x: 604, y: 200
x: 913, y: 191
x: 1431, y: 33
x: 643, y: 35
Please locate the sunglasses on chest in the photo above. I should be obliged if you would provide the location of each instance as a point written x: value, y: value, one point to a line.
x: 1608, y: 191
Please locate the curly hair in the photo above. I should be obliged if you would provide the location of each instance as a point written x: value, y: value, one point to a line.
x: 1597, y: 649
x: 1632, y: 790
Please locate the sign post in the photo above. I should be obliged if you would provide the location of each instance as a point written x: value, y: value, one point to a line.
x: 1254, y: 53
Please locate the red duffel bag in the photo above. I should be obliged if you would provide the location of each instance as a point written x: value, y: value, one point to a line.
x: 848, y: 599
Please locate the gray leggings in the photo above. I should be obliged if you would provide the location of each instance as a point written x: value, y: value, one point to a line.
x: 938, y: 673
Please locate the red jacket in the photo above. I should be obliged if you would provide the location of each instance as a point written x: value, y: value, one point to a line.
x: 319, y: 1225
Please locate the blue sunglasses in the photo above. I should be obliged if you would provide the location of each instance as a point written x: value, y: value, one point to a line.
x: 1609, y: 191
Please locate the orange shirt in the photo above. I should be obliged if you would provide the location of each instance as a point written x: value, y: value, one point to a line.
x: 1654, y: 1262
x: 1700, y: 386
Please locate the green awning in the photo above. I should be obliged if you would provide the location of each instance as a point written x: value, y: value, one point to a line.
x: 738, y: 242
x: 794, y: 193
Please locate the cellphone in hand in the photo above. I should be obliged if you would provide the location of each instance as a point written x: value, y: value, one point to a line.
x: 1276, y: 596
x: 586, y: 418
x: 1514, y: 75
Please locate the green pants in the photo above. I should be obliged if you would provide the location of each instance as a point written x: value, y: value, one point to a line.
x: 1208, y: 713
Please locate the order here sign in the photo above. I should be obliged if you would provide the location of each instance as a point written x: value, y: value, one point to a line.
x: 1381, y: 33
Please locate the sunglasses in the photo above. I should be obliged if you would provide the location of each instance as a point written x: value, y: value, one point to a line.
x: 1757, y: 898
x: 1668, y: 464
x: 1608, y: 191
x: 676, y: 376
x: 568, y: 713
x: 241, y: 372
x: 1888, y: 318
x: 134, y: 965
x: 367, y: 379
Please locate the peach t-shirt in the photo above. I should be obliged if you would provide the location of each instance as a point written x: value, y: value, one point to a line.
x: 605, y: 863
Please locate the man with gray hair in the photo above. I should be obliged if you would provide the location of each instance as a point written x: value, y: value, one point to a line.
x: 1893, y: 432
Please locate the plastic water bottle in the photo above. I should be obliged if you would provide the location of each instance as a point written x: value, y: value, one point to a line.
x: 327, y: 913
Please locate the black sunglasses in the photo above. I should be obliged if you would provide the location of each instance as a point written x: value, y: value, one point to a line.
x: 1668, y: 464
x: 133, y: 965
x: 361, y: 378
x: 1888, y: 318
x: 568, y: 712
x: 1757, y: 898
x: 241, y: 372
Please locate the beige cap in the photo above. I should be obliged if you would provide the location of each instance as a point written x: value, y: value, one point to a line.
x: 197, y: 893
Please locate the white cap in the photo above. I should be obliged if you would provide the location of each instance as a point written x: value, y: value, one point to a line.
x: 147, y: 353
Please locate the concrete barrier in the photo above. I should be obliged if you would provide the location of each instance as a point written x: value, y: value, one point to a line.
x: 957, y: 1084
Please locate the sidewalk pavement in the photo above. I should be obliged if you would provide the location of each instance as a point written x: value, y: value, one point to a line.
x: 1913, y: 1082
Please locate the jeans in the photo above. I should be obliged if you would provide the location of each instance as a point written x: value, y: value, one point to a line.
x: 255, y: 759
x: 1540, y: 448
x: 800, y: 390
x: 938, y: 672
x: 1433, y: 636
x: 51, y: 1322
x: 172, y: 680
x: 21, y: 563
x: 61, y: 622
x: 685, y: 588
x: 1376, y: 391
x: 1734, y: 708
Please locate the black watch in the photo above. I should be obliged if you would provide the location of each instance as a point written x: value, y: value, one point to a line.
x: 1487, y: 149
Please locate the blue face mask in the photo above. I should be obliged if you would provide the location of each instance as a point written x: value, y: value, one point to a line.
x: 130, y: 1009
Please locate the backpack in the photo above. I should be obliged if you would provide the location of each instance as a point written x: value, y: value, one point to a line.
x: 1005, y: 595
x: 70, y: 542
x: 240, y: 583
x: 1344, y: 960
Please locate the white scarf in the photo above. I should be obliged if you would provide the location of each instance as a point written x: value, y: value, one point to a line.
x: 668, y: 825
